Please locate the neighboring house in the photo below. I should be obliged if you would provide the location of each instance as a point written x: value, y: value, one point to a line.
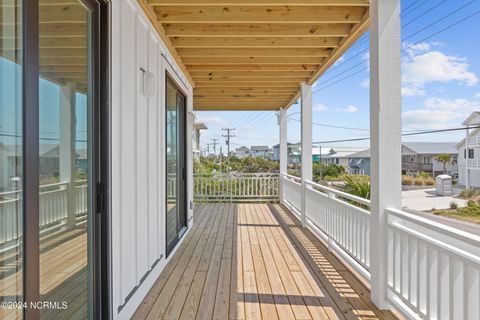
x: 340, y: 156
x: 422, y: 157
x: 469, y: 154
x: 359, y: 163
x: 242, y: 152
x: 259, y: 151
x: 293, y: 153
x: 196, y: 147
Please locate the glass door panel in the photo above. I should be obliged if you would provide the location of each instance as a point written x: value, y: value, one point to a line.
x: 175, y: 158
x: 65, y: 152
x: 11, y: 239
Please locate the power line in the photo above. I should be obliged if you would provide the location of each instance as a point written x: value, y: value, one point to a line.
x: 214, y: 146
x: 405, y: 14
x: 334, y: 126
x: 429, y: 10
x: 403, y: 135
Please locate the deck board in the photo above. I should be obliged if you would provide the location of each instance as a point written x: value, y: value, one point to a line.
x: 255, y: 261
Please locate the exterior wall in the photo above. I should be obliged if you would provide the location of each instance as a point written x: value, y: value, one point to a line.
x: 363, y: 168
x: 138, y: 157
x: 474, y: 172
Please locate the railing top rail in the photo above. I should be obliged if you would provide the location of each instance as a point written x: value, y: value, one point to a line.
x: 236, y: 174
x: 57, y: 184
x: 291, y: 177
x: 339, y: 193
x: 436, y: 226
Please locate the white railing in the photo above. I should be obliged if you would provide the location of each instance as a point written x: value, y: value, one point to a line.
x: 292, y: 193
x: 433, y: 269
x: 53, y: 209
x: 236, y: 187
x: 342, y: 219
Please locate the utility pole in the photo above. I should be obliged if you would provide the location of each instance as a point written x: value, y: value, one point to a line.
x: 214, y: 147
x: 208, y: 148
x: 228, y: 136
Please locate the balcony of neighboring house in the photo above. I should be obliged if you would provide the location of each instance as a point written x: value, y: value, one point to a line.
x: 117, y: 225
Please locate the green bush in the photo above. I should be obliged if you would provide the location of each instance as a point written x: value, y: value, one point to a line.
x: 357, y: 185
x: 453, y: 205
x: 471, y: 204
x: 424, y: 175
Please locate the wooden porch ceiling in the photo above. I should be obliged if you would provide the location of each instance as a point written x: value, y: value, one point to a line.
x: 253, y: 54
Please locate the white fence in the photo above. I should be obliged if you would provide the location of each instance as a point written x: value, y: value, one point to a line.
x: 236, y: 187
x: 433, y: 269
x: 53, y: 209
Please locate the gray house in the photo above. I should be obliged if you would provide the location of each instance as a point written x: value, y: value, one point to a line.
x: 359, y: 163
x: 422, y: 157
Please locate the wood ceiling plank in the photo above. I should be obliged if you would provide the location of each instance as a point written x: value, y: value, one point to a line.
x: 258, y: 30
x: 258, y: 14
x: 253, y: 67
x: 248, y: 73
x: 256, y: 79
x: 253, y: 52
x: 244, y: 91
x: 258, y: 42
x: 362, y: 3
x: 213, y: 97
x: 253, y: 60
x: 249, y: 84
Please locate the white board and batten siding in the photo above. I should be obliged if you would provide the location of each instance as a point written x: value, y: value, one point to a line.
x: 138, y: 156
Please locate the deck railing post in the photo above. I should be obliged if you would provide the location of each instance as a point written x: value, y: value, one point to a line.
x: 283, y: 150
x: 385, y: 130
x: 306, y: 124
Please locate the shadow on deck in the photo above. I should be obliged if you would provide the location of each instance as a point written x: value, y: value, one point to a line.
x: 254, y: 261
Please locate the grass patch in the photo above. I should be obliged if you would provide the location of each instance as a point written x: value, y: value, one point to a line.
x: 471, y: 213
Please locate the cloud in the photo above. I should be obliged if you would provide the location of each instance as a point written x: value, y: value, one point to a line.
x: 349, y: 109
x: 320, y: 108
x: 213, y: 121
x: 477, y: 95
x: 412, y: 92
x: 423, y: 65
x: 365, y: 83
x: 439, y: 113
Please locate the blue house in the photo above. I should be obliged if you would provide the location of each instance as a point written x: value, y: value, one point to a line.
x: 359, y: 163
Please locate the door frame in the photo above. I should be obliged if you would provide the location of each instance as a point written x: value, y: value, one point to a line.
x: 169, y: 248
x: 99, y: 241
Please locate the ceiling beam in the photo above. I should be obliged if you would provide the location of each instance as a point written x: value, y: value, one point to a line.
x: 258, y: 30
x: 248, y: 73
x: 258, y: 14
x: 253, y: 60
x: 257, y: 42
x: 362, y: 3
x: 253, y: 67
x: 253, y: 52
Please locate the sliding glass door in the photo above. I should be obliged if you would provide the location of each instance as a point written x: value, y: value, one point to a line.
x: 50, y: 176
x: 175, y: 158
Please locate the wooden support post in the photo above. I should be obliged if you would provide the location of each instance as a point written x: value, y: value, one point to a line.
x: 306, y: 124
x: 283, y: 147
x: 67, y: 152
x: 385, y: 130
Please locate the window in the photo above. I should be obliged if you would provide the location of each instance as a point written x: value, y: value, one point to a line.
x: 471, y: 153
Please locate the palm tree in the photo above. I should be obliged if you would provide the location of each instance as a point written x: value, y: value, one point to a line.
x: 444, y: 158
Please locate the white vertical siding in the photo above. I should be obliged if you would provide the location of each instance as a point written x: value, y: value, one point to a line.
x: 138, y: 166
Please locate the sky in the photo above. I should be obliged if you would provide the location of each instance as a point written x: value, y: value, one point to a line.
x: 440, y: 84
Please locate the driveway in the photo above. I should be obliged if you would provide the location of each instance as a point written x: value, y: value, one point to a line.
x: 423, y: 200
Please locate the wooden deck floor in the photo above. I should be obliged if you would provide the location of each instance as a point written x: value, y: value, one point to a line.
x: 254, y: 261
x: 63, y: 274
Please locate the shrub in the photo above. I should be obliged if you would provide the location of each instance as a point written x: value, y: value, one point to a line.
x: 357, y: 185
x: 419, y: 181
x: 453, y: 205
x: 407, y: 180
x: 471, y: 203
x: 424, y: 175
x: 429, y: 181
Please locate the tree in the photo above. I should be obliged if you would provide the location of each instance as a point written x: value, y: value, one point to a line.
x: 444, y: 158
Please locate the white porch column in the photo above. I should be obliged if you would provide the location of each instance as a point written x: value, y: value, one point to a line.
x: 306, y: 123
x: 467, y: 133
x: 283, y: 147
x: 67, y: 152
x: 385, y: 131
